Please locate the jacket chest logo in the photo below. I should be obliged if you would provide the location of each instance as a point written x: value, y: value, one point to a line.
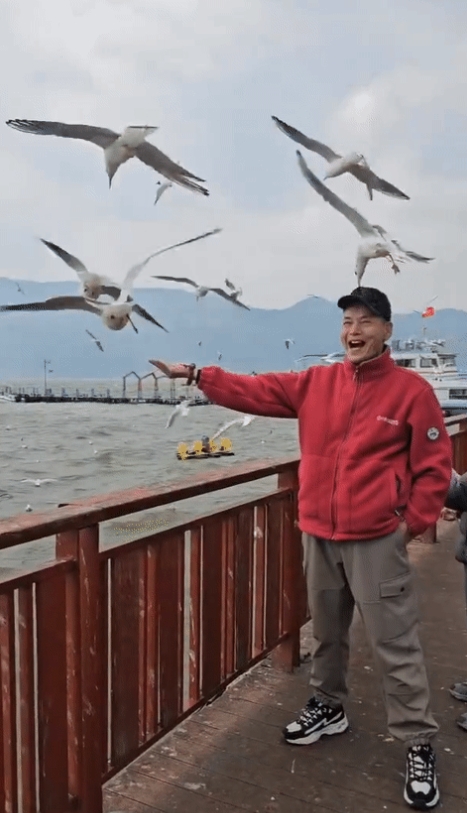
x: 392, y: 421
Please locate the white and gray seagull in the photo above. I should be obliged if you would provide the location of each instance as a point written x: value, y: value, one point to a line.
x: 118, y: 148
x: 94, y: 285
x: 354, y: 163
x: 182, y: 409
x: 375, y: 240
x: 203, y: 290
x: 95, y: 340
x: 236, y: 292
x: 245, y: 420
x: 115, y: 315
x: 162, y: 188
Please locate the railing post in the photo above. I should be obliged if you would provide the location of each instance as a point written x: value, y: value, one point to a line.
x: 86, y: 685
x: 286, y: 655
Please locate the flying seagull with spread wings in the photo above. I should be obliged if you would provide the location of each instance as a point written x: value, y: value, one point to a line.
x: 95, y: 340
x: 203, y: 290
x: 94, y: 285
x: 375, y: 240
x: 114, y: 316
x: 118, y: 148
x: 354, y: 163
x: 162, y: 189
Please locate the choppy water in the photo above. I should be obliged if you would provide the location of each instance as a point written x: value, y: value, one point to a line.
x: 98, y: 448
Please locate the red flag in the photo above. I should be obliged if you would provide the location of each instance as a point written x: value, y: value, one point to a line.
x: 430, y: 311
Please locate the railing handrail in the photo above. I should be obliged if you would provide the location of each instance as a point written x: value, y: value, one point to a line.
x: 23, y: 528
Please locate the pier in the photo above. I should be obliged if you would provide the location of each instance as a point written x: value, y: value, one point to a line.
x: 155, y: 675
x: 171, y: 394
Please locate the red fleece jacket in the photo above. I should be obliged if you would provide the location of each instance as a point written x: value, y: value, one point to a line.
x: 374, y: 448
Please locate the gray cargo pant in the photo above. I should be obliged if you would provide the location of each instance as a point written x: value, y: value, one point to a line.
x: 375, y: 575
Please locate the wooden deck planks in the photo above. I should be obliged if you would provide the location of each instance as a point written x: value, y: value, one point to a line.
x: 230, y: 755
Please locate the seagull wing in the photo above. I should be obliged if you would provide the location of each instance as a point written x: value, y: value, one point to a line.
x: 91, y: 335
x: 56, y: 303
x: 73, y: 262
x: 362, y: 225
x: 309, y: 143
x: 99, y: 345
x: 145, y: 315
x: 229, y: 284
x: 135, y: 270
x: 176, y: 279
x: 417, y: 257
x: 97, y: 135
x: 162, y: 189
x: 227, y: 296
x: 156, y: 159
x: 112, y: 290
x: 226, y: 426
x: 373, y: 181
x: 172, y: 416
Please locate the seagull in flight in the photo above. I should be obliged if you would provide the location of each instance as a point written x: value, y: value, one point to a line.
x: 39, y: 482
x: 97, y: 342
x: 20, y: 290
x: 354, y: 163
x: 181, y: 409
x: 245, y: 420
x: 288, y: 342
x: 203, y: 290
x: 161, y: 190
x: 94, y: 285
x: 236, y: 292
x: 115, y: 316
x: 375, y: 240
x: 118, y: 148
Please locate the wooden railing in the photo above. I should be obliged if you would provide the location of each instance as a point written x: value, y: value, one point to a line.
x: 102, y: 651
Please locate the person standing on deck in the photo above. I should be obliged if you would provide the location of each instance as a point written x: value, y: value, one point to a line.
x: 456, y: 501
x: 374, y: 472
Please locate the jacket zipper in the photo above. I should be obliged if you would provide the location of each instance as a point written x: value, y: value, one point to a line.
x: 336, y: 469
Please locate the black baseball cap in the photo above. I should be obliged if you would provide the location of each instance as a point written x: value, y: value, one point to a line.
x: 376, y: 301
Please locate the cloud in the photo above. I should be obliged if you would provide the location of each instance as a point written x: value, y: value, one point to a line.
x: 210, y: 75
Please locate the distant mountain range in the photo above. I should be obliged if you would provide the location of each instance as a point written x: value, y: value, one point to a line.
x: 248, y: 341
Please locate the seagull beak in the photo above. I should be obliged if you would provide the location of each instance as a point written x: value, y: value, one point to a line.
x: 132, y: 325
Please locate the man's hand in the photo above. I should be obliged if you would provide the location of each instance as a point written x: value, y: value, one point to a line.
x: 448, y: 514
x: 177, y: 370
x: 403, y: 528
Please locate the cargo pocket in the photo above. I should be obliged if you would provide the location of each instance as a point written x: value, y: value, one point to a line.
x: 399, y: 609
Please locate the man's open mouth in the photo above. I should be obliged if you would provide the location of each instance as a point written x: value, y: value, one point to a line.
x: 356, y: 344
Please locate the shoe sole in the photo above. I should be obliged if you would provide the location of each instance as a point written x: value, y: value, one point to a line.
x: 422, y: 805
x: 335, y: 728
x: 461, y: 697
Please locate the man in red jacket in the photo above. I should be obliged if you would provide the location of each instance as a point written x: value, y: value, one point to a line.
x: 374, y: 472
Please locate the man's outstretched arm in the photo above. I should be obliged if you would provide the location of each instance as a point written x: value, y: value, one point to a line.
x: 274, y: 395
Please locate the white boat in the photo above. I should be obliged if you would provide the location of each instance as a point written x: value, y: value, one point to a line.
x: 8, y: 398
x: 428, y: 358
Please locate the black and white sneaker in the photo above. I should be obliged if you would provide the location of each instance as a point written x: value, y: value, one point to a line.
x: 459, y: 691
x: 316, y: 719
x: 421, y: 786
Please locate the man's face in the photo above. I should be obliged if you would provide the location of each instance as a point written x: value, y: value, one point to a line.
x: 363, y: 334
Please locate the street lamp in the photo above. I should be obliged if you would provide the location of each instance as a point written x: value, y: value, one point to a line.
x: 46, y: 362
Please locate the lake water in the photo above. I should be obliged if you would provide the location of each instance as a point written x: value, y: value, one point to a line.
x: 91, y: 449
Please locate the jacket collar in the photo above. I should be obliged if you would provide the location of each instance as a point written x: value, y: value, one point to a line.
x: 373, y: 368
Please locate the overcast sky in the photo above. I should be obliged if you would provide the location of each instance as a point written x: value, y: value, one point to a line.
x: 383, y: 78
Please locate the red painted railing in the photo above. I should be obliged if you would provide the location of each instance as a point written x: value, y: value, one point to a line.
x: 102, y: 651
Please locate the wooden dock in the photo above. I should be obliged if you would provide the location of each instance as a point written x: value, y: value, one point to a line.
x: 229, y: 756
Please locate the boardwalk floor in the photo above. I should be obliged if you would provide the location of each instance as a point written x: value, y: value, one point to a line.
x: 229, y: 756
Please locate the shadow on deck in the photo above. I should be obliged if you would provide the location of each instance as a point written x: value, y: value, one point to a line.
x: 230, y: 756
